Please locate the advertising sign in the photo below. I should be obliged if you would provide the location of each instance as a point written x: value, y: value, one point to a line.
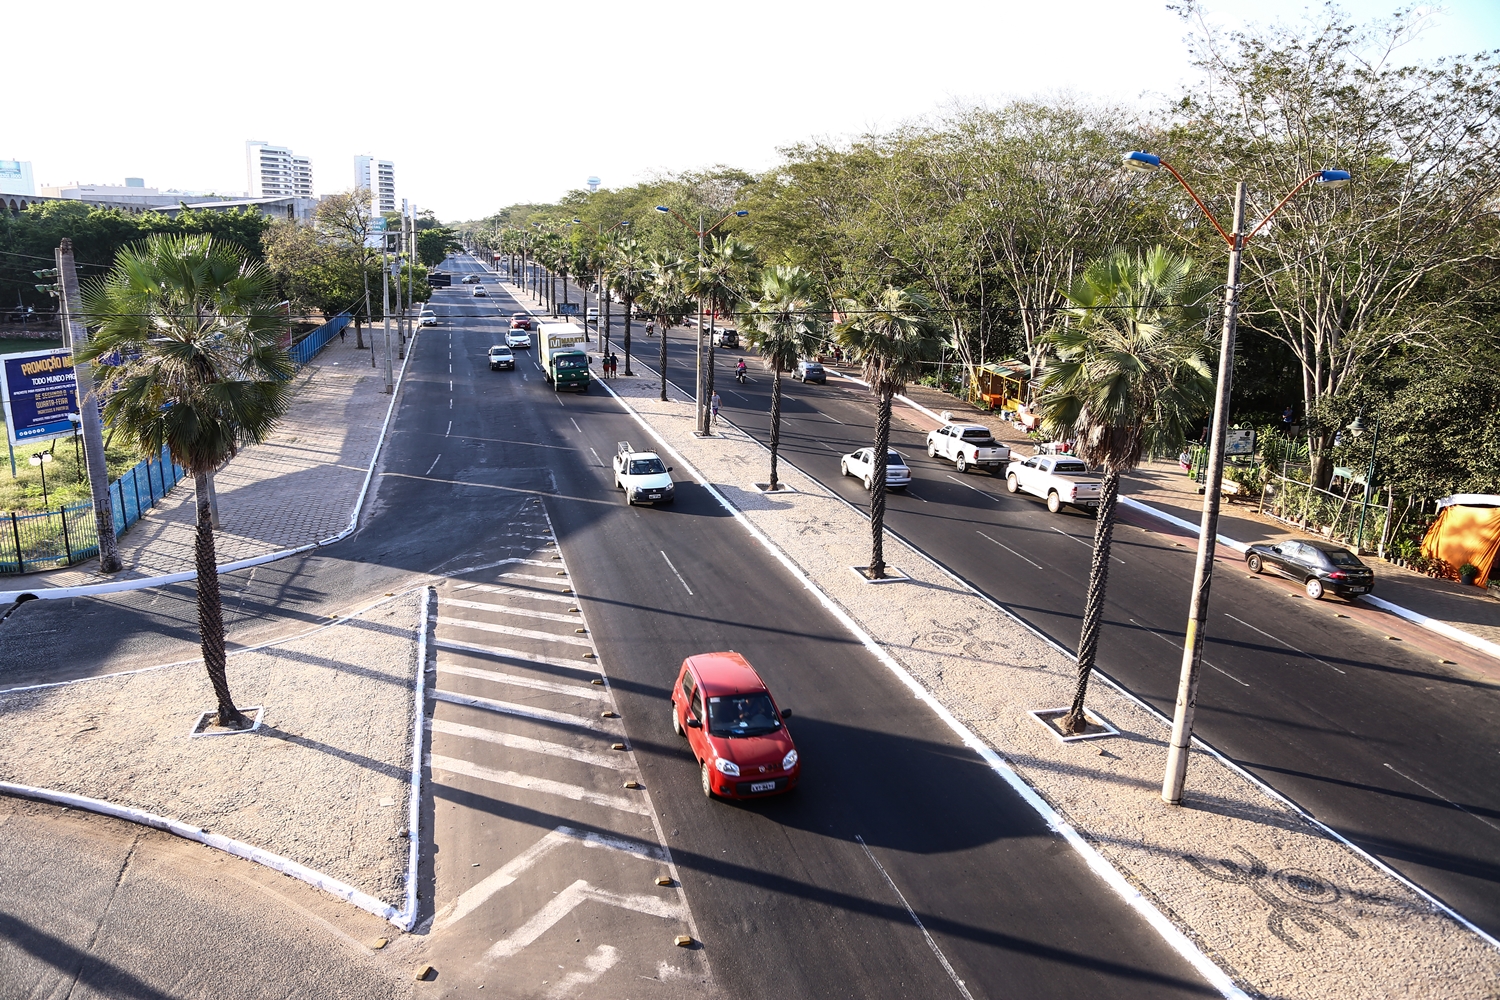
x: 567, y: 308
x: 40, y: 393
x: 1239, y: 442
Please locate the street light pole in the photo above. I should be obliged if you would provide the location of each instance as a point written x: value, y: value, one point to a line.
x: 1203, y: 566
x: 1358, y: 428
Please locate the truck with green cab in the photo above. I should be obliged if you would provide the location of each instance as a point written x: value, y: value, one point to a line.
x: 565, y: 362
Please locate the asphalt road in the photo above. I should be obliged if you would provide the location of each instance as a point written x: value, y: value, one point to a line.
x: 1372, y: 736
x: 787, y: 894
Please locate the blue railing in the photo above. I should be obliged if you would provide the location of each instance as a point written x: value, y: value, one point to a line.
x: 57, y: 538
x: 303, y: 350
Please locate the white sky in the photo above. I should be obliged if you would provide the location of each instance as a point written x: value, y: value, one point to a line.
x: 485, y: 104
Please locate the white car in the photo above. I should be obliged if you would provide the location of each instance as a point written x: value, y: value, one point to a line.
x: 861, y: 465
x: 591, y: 315
x: 968, y: 446
x: 427, y: 319
x: 642, y: 476
x: 500, y: 357
x: 480, y: 293
x: 1059, y: 479
x: 517, y: 338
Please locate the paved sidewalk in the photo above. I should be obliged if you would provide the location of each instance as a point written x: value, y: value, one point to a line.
x: 297, y: 488
x: 1272, y: 899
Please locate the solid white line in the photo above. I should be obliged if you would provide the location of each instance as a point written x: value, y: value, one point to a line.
x: 976, y: 489
x: 550, y: 616
x: 532, y: 783
x: 619, y: 762
x: 1288, y: 645
x: 678, y: 575
x: 524, y: 711
x: 1132, y: 896
x: 916, y: 920
x: 1087, y: 545
x: 571, y: 640
x: 433, y: 465
x: 1010, y: 550
x: 579, y: 690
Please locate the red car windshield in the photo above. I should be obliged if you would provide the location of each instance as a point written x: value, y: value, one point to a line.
x: 739, y: 715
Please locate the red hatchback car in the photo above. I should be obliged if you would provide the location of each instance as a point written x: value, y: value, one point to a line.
x: 520, y: 321
x: 734, y: 727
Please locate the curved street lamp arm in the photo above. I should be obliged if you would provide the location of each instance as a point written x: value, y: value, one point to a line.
x: 1260, y: 225
x: 1189, y: 189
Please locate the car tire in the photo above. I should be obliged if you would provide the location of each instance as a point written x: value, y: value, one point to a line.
x: 1054, y: 502
x: 1314, y: 588
x: 843, y: 470
x: 961, y: 464
x: 869, y: 484
x: 1012, y: 484
x: 1253, y: 563
x: 705, y: 782
x: 677, y: 723
x: 931, y: 450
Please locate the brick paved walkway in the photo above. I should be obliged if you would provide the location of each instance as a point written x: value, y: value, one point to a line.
x: 298, y: 487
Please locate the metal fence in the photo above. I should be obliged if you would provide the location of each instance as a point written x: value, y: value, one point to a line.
x: 303, y: 350
x: 1324, y: 512
x: 62, y: 537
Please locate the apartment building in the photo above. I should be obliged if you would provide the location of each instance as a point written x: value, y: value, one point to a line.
x: 379, y: 176
x: 277, y: 172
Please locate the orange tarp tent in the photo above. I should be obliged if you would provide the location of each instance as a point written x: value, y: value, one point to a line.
x: 1467, y: 530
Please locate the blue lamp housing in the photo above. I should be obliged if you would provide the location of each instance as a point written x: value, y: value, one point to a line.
x: 1144, y: 162
x: 1333, y: 178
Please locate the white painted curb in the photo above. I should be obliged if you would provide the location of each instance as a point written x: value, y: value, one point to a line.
x: 94, y: 589
x: 407, y: 918
x: 1175, y: 938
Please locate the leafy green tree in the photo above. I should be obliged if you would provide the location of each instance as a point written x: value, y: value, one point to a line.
x: 1128, y: 371
x: 204, y: 373
x: 434, y: 244
x: 667, y: 300
x: 244, y: 227
x: 725, y: 271
x: 784, y: 323
x: 348, y: 221
x: 315, y: 271
x: 890, y: 332
x: 630, y: 275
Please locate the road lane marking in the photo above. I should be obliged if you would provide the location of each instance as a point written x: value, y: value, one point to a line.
x: 1177, y: 647
x: 520, y: 633
x: 1440, y: 795
x: 517, y: 592
x: 508, y: 610
x: 546, y: 786
x: 617, y: 762
x: 569, y: 899
x: 449, y: 430
x: 456, y: 646
x: 1087, y: 545
x: 549, y: 580
x: 962, y: 989
x: 523, y: 711
x: 433, y: 465
x: 1288, y: 645
x: 976, y: 489
x: 678, y: 575
x: 1011, y: 550
x: 575, y: 426
x: 516, y: 680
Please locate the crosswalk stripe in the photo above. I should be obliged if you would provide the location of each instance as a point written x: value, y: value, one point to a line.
x: 506, y: 609
x: 514, y: 742
x: 575, y: 690
x: 531, y: 783
x: 524, y: 633
x: 530, y: 595
x: 550, y: 580
x: 524, y: 711
x: 514, y: 654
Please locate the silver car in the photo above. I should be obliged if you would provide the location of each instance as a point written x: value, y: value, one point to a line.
x: 861, y: 465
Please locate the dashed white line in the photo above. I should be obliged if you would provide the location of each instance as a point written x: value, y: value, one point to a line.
x: 1010, y: 550
x: 1434, y: 791
x: 962, y: 989
x: 449, y: 430
x: 596, y: 457
x: 976, y: 489
x: 1288, y: 645
x: 1087, y: 545
x: 678, y: 575
x: 433, y: 465
x: 1177, y: 647
x: 575, y: 425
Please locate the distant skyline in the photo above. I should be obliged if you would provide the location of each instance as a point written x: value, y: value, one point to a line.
x: 484, y: 107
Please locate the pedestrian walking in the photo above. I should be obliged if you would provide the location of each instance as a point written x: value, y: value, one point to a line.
x: 343, y: 338
x: 614, y: 364
x: 713, y: 409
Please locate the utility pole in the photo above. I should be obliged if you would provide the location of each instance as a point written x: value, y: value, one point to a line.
x: 702, y: 405
x: 385, y: 300
x: 405, y: 273
x: 76, y: 332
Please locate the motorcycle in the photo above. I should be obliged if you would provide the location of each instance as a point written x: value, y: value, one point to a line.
x: 739, y: 375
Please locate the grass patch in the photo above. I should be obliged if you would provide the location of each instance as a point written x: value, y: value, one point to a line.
x: 67, y: 481
x: 16, y: 345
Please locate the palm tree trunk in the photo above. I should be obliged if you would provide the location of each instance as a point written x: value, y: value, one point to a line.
x: 1093, y: 607
x: 210, y: 609
x: 775, y: 419
x: 876, y: 570
x: 708, y: 376
x: 629, y: 305
x: 662, y: 321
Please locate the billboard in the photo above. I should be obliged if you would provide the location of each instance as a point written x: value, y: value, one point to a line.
x: 40, y: 393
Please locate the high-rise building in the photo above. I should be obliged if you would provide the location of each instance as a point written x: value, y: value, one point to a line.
x: 379, y: 176
x: 15, y: 177
x: 277, y: 172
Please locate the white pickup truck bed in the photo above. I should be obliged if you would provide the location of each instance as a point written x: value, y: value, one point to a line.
x: 1058, y: 479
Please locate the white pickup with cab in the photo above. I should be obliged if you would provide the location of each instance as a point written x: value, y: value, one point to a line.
x: 1058, y: 479
x: 968, y: 446
x: 642, y: 475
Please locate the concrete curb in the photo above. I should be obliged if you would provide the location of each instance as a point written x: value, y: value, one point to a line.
x: 407, y: 918
x: 94, y: 589
x: 1132, y: 897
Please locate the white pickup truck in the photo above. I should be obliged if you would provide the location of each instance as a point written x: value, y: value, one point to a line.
x: 968, y: 446
x: 1059, y: 479
x: 642, y: 476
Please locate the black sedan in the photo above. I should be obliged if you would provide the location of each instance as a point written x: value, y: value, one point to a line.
x: 1318, y: 565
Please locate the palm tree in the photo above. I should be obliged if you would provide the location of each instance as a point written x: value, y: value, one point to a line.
x: 631, y: 276
x: 725, y: 270
x: 890, y: 332
x: 667, y: 298
x: 784, y: 325
x: 1128, y: 371
x: 203, y: 372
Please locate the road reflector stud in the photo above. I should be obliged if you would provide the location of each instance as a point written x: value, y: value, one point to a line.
x: 562, y: 572
x: 663, y: 880
x: 389, y: 594
x: 617, y: 746
x: 423, y: 972
x: 1337, y: 614
x: 1441, y: 660
x: 567, y: 590
x: 683, y: 941
x: 608, y: 715
x: 580, y: 631
x: 590, y: 656
x: 632, y: 784
x: 1394, y: 638
x: 377, y: 944
x: 574, y: 610
x: 557, y: 557
x: 596, y: 681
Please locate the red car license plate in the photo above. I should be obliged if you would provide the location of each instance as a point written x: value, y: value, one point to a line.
x: 763, y: 786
